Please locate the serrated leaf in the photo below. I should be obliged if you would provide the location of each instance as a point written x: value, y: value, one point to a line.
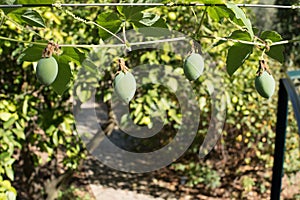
x: 61, y: 83
x: 111, y: 22
x: 237, y: 54
x: 275, y: 52
x: 240, y: 15
x: 33, y: 18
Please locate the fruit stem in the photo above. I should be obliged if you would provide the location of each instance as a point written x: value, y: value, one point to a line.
x: 122, y: 66
x: 263, y: 66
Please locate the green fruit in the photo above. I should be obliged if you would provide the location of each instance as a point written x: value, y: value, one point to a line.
x: 172, y: 16
x: 193, y: 66
x: 265, y: 84
x: 47, y: 70
x: 125, y: 86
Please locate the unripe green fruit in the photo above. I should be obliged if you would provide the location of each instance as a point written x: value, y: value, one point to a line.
x: 172, y: 16
x: 125, y: 86
x: 47, y: 70
x: 265, y: 84
x: 193, y: 66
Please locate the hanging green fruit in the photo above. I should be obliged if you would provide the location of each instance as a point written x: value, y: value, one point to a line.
x: 47, y: 70
x: 193, y: 66
x: 124, y: 83
x: 47, y: 67
x: 264, y: 81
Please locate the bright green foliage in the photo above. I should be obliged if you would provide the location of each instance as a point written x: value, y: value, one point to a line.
x: 33, y: 18
x: 47, y: 70
x: 125, y: 86
x: 193, y: 66
x: 41, y: 118
x: 275, y: 52
x: 265, y: 84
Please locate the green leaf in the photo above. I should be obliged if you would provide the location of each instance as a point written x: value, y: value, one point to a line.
x: 111, y: 22
x: 33, y: 18
x: 240, y: 35
x: 4, y: 156
x: 61, y: 83
x: 151, y: 26
x: 218, y: 12
x: 240, y: 15
x: 149, y: 19
x: 237, y: 54
x: 275, y: 52
x: 9, y: 172
x: 131, y: 12
x: 32, y: 53
x: 55, y: 138
x: 19, y: 133
x: 4, y: 116
x: 72, y: 54
x: 9, y: 122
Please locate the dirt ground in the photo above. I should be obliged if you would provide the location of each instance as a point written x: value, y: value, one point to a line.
x: 103, y: 183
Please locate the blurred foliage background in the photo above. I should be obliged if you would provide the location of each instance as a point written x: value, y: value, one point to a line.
x: 38, y: 140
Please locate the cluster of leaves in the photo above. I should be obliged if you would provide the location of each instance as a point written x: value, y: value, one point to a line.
x: 41, y: 118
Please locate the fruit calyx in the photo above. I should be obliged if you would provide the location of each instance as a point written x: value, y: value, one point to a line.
x: 50, y: 49
x: 122, y: 66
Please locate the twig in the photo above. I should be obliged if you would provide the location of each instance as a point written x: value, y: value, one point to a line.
x: 151, y: 42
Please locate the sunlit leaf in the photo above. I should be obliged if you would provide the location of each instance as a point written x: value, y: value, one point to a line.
x: 239, y: 14
x: 33, y: 18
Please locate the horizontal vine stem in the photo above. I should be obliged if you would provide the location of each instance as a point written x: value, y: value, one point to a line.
x: 233, y: 40
x: 150, y: 42
x: 147, y: 4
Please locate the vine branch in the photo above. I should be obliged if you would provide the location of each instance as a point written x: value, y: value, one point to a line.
x: 152, y: 42
x: 147, y: 4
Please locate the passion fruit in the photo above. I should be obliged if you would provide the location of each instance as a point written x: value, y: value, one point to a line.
x: 265, y: 84
x: 125, y: 86
x: 193, y: 66
x: 47, y: 70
